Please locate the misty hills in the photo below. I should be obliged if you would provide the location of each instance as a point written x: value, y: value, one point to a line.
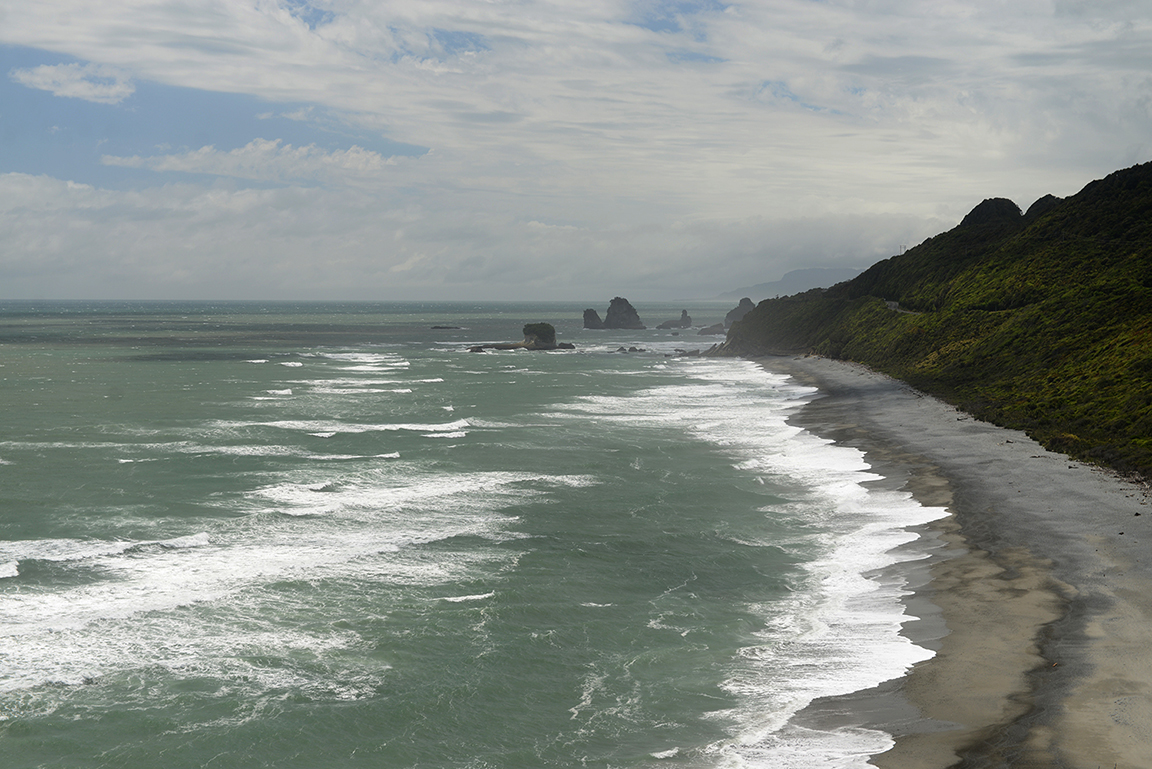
x: 794, y: 282
x: 1037, y: 320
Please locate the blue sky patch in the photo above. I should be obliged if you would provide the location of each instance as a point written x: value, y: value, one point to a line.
x: 309, y: 14
x: 778, y: 90
x: 662, y: 16
x: 455, y: 43
x: 65, y: 137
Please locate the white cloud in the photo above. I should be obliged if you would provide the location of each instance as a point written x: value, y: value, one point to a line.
x: 186, y: 241
x: 756, y: 136
x: 267, y: 160
x: 91, y: 82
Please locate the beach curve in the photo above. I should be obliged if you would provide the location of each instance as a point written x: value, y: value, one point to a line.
x: 1037, y: 595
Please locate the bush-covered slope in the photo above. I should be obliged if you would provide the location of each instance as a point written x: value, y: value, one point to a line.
x: 1040, y: 321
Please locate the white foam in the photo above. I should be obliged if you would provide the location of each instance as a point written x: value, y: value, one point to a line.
x: 191, y: 540
x: 313, y: 426
x: 225, y: 577
x: 60, y: 549
x: 358, y: 390
x: 9, y: 569
x: 839, y: 632
x: 466, y: 598
x: 373, y: 490
x: 343, y: 457
x: 291, y: 363
x: 355, y: 382
x: 368, y: 358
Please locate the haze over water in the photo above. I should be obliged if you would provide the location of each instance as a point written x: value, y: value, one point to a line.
x: 283, y: 535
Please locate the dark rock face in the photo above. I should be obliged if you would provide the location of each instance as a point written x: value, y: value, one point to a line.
x: 685, y: 321
x: 717, y: 328
x: 537, y: 336
x: 621, y: 314
x: 540, y: 336
x: 739, y: 311
x: 592, y: 319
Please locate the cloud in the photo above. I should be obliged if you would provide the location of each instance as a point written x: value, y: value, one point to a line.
x: 645, y: 138
x: 91, y: 82
x: 267, y: 160
x: 187, y: 241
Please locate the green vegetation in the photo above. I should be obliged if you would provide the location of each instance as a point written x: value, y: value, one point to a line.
x: 1039, y: 321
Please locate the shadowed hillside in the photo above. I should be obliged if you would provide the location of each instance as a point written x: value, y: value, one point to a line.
x: 1040, y: 321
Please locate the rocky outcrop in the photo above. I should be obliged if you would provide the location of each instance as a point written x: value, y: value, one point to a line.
x: 537, y: 336
x: 621, y: 314
x: 739, y: 311
x: 540, y: 336
x: 717, y: 328
x: 685, y: 321
x: 592, y: 319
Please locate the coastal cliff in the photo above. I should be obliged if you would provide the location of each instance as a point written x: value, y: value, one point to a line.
x: 1037, y: 320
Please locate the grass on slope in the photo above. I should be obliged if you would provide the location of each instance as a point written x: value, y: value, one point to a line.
x: 1039, y: 322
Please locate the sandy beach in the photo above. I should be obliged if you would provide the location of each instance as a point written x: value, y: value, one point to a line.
x: 1036, y: 593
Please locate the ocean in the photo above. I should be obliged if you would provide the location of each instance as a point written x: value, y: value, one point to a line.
x: 328, y: 535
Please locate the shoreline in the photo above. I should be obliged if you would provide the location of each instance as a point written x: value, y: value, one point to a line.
x: 1036, y: 592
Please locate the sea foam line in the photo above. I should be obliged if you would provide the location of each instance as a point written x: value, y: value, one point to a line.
x: 840, y: 632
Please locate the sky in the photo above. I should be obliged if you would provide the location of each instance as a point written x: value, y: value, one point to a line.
x: 535, y: 149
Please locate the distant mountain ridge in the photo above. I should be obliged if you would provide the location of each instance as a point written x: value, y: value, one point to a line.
x: 1040, y: 321
x: 794, y: 282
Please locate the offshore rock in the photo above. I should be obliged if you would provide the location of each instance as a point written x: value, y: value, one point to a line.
x: 592, y: 319
x: 537, y: 336
x: 540, y: 336
x: 717, y: 328
x: 621, y: 314
x: 685, y: 321
x: 739, y: 311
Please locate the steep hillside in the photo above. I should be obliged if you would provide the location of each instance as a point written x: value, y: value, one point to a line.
x: 1040, y: 320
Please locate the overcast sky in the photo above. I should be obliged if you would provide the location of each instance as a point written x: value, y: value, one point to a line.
x: 536, y: 149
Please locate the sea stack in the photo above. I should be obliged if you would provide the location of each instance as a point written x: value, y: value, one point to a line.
x: 685, y: 321
x: 621, y: 314
x: 540, y: 336
x: 592, y: 319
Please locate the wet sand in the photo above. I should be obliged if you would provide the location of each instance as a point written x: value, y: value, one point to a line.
x: 1036, y: 593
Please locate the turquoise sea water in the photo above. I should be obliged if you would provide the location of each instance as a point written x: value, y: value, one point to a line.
x: 279, y: 535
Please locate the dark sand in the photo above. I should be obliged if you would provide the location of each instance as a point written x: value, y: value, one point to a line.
x: 1037, y: 595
